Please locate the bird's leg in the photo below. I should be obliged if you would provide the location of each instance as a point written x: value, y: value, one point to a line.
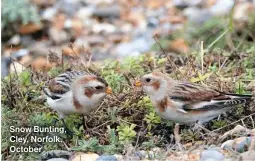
x: 177, y: 136
x: 199, y: 126
x: 85, y: 127
x: 83, y: 122
x: 69, y: 132
x: 55, y: 121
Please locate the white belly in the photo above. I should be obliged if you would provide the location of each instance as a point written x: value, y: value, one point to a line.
x: 188, y: 118
x: 65, y: 106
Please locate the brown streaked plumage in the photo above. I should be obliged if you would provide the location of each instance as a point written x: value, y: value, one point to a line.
x: 54, y: 87
x: 86, y: 79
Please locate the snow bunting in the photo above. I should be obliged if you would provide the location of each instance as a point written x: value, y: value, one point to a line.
x: 75, y: 92
x: 186, y: 103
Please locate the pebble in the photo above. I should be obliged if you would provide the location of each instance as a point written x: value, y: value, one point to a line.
x: 221, y: 8
x: 57, y: 159
x: 58, y: 36
x: 107, y: 12
x: 104, y: 27
x: 15, y: 40
x: 85, y: 12
x: 185, y: 3
x: 85, y: 157
x: 241, y: 10
x: 211, y: 155
x: 49, y: 13
x: 239, y: 144
x: 197, y: 15
x: 20, y: 53
x: 107, y: 158
x: 55, y: 155
x: 134, y: 47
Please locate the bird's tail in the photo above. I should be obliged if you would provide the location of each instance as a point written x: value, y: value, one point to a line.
x: 46, y: 91
x: 49, y: 94
x: 243, y: 99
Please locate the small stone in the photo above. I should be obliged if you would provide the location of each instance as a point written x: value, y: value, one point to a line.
x: 197, y: 15
x: 242, y: 10
x: 85, y: 12
x: 211, y: 155
x: 96, y: 40
x: 57, y: 159
x: 152, y: 4
x: 49, y: 13
x: 77, y: 26
x: 107, y: 158
x: 107, y: 12
x: 16, y: 67
x: 85, y: 157
x: 185, y: 3
x: 239, y: 144
x: 15, y: 40
x: 104, y: 27
x: 178, y: 46
x: 41, y: 64
x: 58, y: 36
x: 56, y: 155
x: 29, y: 28
x: 20, y: 53
x: 141, y: 154
x: 119, y: 157
x: 221, y: 8
x: 133, y: 48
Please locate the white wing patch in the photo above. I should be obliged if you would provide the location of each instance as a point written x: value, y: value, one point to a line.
x: 205, y: 103
x: 182, y: 110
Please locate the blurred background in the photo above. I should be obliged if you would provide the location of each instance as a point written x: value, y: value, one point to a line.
x: 103, y: 29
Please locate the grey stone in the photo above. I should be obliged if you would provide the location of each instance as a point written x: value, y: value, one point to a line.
x: 107, y: 158
x: 57, y: 159
x: 211, y: 155
x: 107, y: 12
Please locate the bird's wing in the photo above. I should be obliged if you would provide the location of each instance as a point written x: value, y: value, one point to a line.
x: 198, y: 97
x: 61, y: 84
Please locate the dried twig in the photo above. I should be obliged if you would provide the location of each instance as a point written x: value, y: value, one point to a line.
x: 231, y: 123
x: 173, y: 66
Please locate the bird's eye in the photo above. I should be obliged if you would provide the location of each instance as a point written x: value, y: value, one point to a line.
x: 99, y: 87
x: 147, y: 80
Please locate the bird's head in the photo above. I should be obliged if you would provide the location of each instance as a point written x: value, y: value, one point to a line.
x: 155, y: 84
x: 91, y: 89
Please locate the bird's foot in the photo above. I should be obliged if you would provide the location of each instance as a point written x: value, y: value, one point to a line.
x: 199, y: 127
x: 177, y: 137
x: 179, y: 147
x: 67, y: 130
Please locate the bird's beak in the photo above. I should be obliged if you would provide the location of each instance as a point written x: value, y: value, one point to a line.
x: 138, y: 83
x: 108, y: 90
